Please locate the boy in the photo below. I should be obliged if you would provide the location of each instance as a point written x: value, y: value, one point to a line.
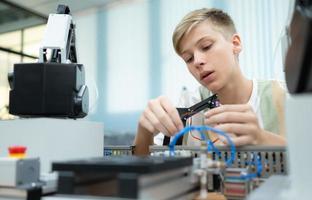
x: 251, y: 111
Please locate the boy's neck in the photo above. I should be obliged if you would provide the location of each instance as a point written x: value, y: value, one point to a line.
x: 238, y: 91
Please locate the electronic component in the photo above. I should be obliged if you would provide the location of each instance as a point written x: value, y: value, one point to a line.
x: 234, y: 185
x: 16, y: 172
x: 210, y: 103
x: 185, y: 113
x: 274, y: 158
x: 84, y: 176
x: 118, y: 150
x: 253, y: 165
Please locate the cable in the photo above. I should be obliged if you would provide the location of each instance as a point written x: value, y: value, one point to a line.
x: 196, y: 138
x: 230, y: 142
x: 211, y: 147
x: 200, y: 129
x: 181, y: 133
x: 257, y: 163
x: 189, y: 123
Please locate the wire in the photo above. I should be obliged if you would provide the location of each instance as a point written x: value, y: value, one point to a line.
x: 189, y: 122
x: 197, y: 138
x: 180, y: 134
x: 230, y: 142
x: 216, y: 140
x: 210, y: 145
x: 257, y: 163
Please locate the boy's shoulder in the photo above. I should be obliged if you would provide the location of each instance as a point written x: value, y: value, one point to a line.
x: 271, y: 85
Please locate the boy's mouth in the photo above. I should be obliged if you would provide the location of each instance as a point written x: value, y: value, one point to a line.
x: 205, y: 75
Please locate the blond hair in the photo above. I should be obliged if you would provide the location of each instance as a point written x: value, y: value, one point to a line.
x: 220, y: 19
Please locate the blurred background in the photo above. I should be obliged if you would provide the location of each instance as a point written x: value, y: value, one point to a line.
x: 126, y: 48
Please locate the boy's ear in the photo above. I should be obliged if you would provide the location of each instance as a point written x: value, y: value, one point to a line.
x: 237, y: 45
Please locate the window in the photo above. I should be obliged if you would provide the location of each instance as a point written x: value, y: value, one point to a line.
x: 15, y: 47
x: 127, y: 58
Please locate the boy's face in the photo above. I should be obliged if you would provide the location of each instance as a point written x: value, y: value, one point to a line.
x: 210, y: 57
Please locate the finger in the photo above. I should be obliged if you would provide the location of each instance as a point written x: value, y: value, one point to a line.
x: 230, y: 117
x: 162, y: 117
x: 229, y: 135
x: 223, y: 139
x: 238, y: 129
x: 228, y: 108
x: 242, y: 140
x: 212, y: 135
x: 147, y: 124
x: 173, y: 112
x: 232, y: 135
x: 150, y: 116
x: 208, y: 123
x: 219, y: 142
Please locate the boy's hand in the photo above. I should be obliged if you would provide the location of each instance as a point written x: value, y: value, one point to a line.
x: 161, y: 116
x: 240, y: 120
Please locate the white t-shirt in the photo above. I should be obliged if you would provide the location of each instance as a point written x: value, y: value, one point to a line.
x: 188, y: 99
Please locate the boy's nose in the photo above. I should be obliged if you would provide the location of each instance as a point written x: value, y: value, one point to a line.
x: 199, y: 59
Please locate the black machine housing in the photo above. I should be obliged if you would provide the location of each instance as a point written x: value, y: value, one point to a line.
x: 49, y: 89
x: 298, y: 65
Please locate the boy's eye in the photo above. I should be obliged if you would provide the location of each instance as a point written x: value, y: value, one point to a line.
x: 207, y: 47
x: 188, y: 60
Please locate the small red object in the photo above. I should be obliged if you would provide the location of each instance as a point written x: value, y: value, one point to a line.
x: 17, y: 149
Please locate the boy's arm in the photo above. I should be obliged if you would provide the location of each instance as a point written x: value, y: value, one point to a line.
x: 269, y: 138
x: 142, y: 141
